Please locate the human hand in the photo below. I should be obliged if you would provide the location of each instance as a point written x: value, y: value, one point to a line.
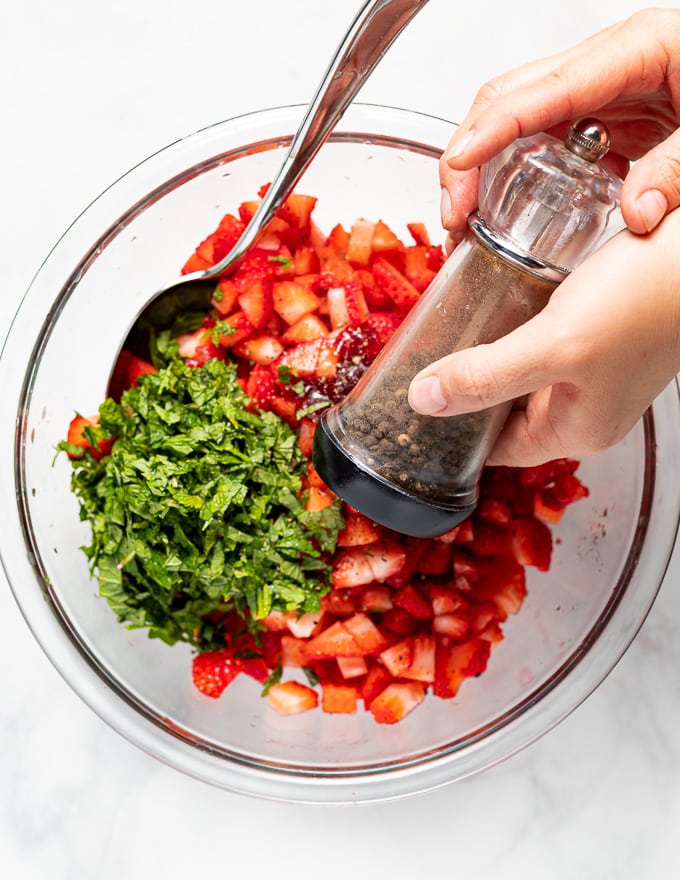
x: 627, y: 75
x: 591, y: 362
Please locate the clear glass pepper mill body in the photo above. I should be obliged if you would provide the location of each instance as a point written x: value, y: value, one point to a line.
x: 476, y: 298
x: 544, y: 205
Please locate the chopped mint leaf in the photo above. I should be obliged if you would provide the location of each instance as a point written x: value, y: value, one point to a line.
x: 199, y: 507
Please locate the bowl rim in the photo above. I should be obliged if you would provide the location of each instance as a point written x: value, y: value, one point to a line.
x: 202, y: 758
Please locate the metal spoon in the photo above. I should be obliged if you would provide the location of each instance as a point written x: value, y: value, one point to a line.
x: 374, y: 29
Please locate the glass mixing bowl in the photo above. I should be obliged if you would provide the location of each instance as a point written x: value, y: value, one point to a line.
x: 575, y: 624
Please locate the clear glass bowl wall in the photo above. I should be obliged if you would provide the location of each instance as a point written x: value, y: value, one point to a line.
x: 611, y: 552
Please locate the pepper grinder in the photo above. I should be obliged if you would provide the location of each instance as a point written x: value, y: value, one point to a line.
x: 544, y: 206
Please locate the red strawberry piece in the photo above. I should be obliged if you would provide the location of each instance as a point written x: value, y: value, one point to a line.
x: 338, y: 240
x: 358, y: 530
x: 292, y: 301
x: 352, y: 667
x: 359, y: 244
x: 416, y: 267
x: 421, y: 667
x: 504, y: 585
x: 398, y: 657
x: 383, y: 324
x: 494, y: 511
x: 76, y: 436
x: 257, y: 303
x: 225, y: 297
x: 437, y: 559
x: 305, y: 441
x: 454, y: 625
x: 398, y: 621
x: 338, y: 698
x: 127, y: 370
x: 305, y: 261
x: 386, y: 558
x: 261, y: 386
x: 414, y: 550
x: 293, y: 651
x: 544, y: 474
x: 384, y: 240
x: 376, y: 599
x: 256, y: 668
x: 318, y: 499
x: 261, y: 349
x: 213, y: 670
x: 531, y: 542
x: 340, y: 603
x: 335, y: 641
x: 297, y: 210
x: 396, y: 285
x: 396, y: 701
x: 419, y: 234
x: 410, y: 600
x: 351, y: 568
x: 375, y: 683
x: 240, y: 329
x: 309, y: 327
x: 291, y: 697
x: 455, y: 662
x: 365, y: 633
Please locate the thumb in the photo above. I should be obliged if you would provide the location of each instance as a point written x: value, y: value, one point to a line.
x: 652, y: 187
x: 482, y: 376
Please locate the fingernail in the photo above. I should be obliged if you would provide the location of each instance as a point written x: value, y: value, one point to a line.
x: 445, y: 206
x: 425, y: 396
x: 652, y: 206
x: 459, y: 146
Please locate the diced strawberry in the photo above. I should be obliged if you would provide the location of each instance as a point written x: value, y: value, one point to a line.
x: 76, y: 437
x: 240, y: 327
x: 490, y: 539
x: 335, y: 270
x: 306, y: 436
x: 384, y: 240
x: 399, y: 657
x: 455, y: 662
x: 290, y: 697
x: 213, y: 670
x: 386, y: 558
x: 464, y: 532
x: 358, y: 530
x: 309, y: 327
x: 546, y: 507
x: 351, y: 568
x: 545, y: 474
x: 494, y: 511
x: 421, y: 667
x: 419, y: 234
x: 334, y: 641
x: 396, y: 701
x: 365, y: 633
x: 225, y: 297
x: 340, y: 603
x: 504, y: 585
x: 338, y: 240
x: 261, y: 386
x: 297, y: 210
x: 303, y: 625
x: 376, y: 599
x: 257, y: 303
x: 359, y: 245
x: 410, y: 600
x: 276, y: 621
x: 437, y: 559
x: 255, y: 667
x: 338, y: 698
x: 531, y: 542
x: 314, y: 358
x: 375, y: 683
x: 454, y: 625
x: 398, y: 621
x: 446, y: 601
x: 416, y: 267
x: 293, y: 651
x: 318, y: 499
x: 262, y: 349
x: 384, y: 324
x: 126, y: 372
x: 395, y: 284
x: 292, y: 301
x: 305, y: 261
x: 414, y: 550
x: 352, y: 667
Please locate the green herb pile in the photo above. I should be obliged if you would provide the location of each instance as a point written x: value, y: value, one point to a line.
x: 198, y: 508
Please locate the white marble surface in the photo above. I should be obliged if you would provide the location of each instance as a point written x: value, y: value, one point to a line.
x: 87, y: 90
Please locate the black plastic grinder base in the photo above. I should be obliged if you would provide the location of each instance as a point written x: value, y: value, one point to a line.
x: 377, y: 499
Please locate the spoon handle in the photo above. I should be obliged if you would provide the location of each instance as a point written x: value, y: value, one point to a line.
x: 377, y: 24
